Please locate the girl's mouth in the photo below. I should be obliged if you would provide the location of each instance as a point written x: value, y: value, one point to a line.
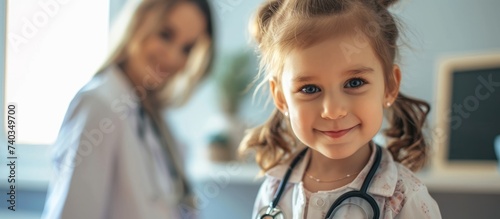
x: 338, y: 133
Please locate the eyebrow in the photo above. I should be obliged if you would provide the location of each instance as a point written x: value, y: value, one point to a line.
x: 359, y: 70
x: 171, y: 29
x: 354, y: 71
x: 301, y: 78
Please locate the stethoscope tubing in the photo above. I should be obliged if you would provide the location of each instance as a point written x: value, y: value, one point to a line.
x: 281, y: 187
x: 362, y: 193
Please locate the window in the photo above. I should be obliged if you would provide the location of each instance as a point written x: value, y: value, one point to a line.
x: 53, y: 47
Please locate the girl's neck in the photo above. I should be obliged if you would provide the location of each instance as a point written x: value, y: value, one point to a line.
x: 333, y: 173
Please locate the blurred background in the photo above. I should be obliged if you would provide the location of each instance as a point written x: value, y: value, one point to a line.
x: 50, y: 48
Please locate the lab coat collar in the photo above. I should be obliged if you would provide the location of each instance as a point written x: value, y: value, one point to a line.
x: 383, y: 183
x: 125, y: 90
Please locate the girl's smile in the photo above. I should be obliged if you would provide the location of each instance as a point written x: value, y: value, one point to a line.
x: 336, y: 134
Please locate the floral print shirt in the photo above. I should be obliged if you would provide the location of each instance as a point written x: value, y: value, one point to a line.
x: 397, y: 191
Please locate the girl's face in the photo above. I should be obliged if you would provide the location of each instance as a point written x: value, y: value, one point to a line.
x: 165, y: 52
x: 334, y: 94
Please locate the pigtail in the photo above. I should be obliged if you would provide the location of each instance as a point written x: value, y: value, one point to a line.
x: 260, y: 24
x: 272, y: 141
x: 407, y: 117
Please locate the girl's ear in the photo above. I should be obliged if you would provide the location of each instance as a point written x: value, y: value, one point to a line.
x: 393, y: 92
x: 279, y: 99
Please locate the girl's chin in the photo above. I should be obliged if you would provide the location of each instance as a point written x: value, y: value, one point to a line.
x: 336, y: 153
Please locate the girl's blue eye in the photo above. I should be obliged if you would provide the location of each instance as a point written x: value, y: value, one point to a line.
x: 310, y: 89
x: 355, y: 83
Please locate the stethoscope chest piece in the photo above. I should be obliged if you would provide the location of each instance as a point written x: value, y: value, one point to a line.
x: 270, y: 213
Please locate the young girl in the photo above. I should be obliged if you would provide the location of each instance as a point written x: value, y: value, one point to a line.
x: 330, y: 67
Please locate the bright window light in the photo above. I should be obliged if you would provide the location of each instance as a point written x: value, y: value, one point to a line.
x: 53, y: 48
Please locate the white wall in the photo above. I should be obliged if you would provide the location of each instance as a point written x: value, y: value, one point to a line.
x: 436, y: 29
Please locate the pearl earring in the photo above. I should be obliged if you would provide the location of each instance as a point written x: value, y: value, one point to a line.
x: 388, y: 104
x: 286, y: 113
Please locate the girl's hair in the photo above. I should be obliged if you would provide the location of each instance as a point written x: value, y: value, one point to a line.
x: 145, y: 21
x: 283, y: 25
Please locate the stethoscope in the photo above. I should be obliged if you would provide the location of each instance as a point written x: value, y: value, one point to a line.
x: 174, y: 175
x: 273, y: 212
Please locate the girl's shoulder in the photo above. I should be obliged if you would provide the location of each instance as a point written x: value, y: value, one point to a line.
x: 408, y: 181
x: 398, y: 176
x: 409, y: 191
x: 411, y: 197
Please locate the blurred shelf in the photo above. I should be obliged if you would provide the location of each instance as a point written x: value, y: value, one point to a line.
x: 452, y: 182
x: 33, y: 172
x: 462, y: 182
x: 230, y: 172
x: 33, y: 168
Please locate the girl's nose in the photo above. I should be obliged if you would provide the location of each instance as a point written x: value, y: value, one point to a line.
x: 333, y: 108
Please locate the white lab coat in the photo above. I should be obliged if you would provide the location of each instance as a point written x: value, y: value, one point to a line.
x: 397, y: 191
x: 103, y: 168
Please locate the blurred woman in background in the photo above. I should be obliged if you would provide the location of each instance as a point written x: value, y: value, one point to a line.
x: 115, y: 156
